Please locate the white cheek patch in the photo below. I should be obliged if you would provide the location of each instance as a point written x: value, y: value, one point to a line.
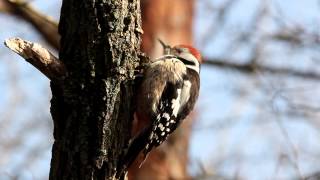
x: 176, y: 103
x: 191, y: 58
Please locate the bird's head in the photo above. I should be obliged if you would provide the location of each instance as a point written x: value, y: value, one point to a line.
x: 181, y: 50
x: 189, y: 55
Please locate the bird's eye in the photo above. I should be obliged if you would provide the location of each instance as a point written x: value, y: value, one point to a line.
x: 179, y: 50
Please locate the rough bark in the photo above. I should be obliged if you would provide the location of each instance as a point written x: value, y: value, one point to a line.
x: 100, y: 41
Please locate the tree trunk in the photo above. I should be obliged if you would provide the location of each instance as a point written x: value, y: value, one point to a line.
x: 91, y: 108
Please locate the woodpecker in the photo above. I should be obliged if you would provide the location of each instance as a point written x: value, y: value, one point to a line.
x: 167, y: 95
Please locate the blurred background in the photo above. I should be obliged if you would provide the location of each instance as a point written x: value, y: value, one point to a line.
x: 258, y: 115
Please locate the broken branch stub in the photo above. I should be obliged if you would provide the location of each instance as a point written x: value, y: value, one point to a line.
x: 39, y: 57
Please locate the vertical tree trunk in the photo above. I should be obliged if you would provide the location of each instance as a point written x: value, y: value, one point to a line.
x: 171, y: 21
x: 91, y: 110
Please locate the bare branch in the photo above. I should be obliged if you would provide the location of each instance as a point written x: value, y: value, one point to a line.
x: 47, y: 27
x: 38, y: 56
x: 252, y: 68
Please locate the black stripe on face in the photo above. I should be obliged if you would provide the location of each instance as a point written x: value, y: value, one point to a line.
x: 186, y: 62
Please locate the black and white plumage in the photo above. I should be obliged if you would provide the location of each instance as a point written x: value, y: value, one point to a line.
x: 176, y: 99
x: 169, y: 91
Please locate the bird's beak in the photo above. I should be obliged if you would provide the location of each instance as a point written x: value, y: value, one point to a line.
x: 166, y: 48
